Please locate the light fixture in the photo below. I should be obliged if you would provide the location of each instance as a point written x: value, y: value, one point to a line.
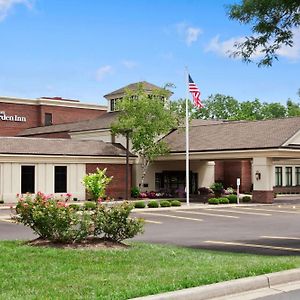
x: 257, y: 175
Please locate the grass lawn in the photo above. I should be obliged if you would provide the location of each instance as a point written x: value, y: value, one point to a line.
x: 47, y: 273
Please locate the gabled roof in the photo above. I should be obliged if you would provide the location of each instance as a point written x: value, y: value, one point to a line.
x: 148, y: 87
x: 102, y: 122
x: 67, y: 147
x: 234, y: 135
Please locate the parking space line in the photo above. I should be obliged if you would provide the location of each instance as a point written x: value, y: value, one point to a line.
x: 280, y: 237
x: 153, y: 222
x: 238, y: 212
x: 206, y: 214
x: 253, y: 246
x: 172, y: 216
x: 270, y: 210
x: 6, y: 220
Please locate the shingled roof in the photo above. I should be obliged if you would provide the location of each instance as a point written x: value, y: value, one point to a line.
x: 67, y: 147
x: 148, y: 87
x: 235, y: 135
x: 102, y: 122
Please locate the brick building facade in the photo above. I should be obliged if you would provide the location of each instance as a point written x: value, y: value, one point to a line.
x: 17, y: 114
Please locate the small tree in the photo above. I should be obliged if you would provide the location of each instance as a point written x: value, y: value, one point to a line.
x: 96, y: 183
x: 145, y: 117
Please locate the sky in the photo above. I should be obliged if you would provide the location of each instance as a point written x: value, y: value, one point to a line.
x: 85, y: 49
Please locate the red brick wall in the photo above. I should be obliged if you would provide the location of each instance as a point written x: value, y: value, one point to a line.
x: 227, y: 171
x: 116, y: 187
x: 31, y: 112
x: 246, y: 176
x: 219, y: 170
x: 35, y: 115
x: 68, y: 114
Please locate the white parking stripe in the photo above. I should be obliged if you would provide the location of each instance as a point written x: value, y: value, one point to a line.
x: 270, y: 210
x: 206, y: 214
x: 238, y: 212
x: 253, y: 246
x: 280, y: 237
x: 153, y: 222
x: 172, y: 216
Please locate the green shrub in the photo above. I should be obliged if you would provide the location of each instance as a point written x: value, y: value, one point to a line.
x: 89, y: 205
x: 52, y: 219
x: 75, y: 206
x: 135, y: 192
x: 165, y: 203
x: 114, y: 222
x: 246, y: 199
x: 75, y: 199
x: 175, y: 203
x: 56, y: 221
x: 213, y: 201
x: 232, y: 198
x: 96, y: 183
x: 140, y: 204
x: 223, y: 200
x: 153, y: 204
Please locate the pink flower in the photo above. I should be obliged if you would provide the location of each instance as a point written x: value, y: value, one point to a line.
x: 18, y: 195
x: 100, y: 200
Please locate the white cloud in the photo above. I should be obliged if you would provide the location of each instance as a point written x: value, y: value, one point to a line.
x: 188, y: 33
x: 102, y: 72
x: 129, y: 64
x: 7, y: 5
x: 223, y: 48
x: 226, y: 47
x: 292, y: 53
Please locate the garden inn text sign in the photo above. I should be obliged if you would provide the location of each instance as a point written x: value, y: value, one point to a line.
x: 14, y: 118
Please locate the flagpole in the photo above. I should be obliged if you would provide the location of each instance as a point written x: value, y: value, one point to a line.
x: 187, y: 146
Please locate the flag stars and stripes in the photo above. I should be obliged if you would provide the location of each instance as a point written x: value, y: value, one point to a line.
x: 194, y: 90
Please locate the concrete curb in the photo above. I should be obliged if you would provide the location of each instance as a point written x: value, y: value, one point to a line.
x: 229, y: 288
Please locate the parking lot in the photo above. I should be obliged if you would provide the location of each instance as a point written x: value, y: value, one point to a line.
x: 267, y: 229
x: 262, y: 229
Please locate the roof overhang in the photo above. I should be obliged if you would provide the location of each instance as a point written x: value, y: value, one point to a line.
x: 277, y: 153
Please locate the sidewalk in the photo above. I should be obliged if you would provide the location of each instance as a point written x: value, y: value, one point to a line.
x: 245, y: 288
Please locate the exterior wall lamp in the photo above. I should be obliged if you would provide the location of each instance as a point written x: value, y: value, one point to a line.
x: 257, y: 175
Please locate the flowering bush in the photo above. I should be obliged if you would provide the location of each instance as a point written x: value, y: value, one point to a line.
x: 58, y: 221
x: 115, y: 224
x: 96, y: 183
x: 52, y: 219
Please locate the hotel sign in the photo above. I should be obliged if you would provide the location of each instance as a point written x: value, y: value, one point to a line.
x: 14, y: 118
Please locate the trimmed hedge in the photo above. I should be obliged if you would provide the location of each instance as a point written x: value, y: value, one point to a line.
x: 153, y: 204
x: 223, y: 200
x: 246, y: 199
x: 213, y: 201
x: 140, y: 204
x: 232, y: 198
x: 175, y: 203
x: 165, y: 203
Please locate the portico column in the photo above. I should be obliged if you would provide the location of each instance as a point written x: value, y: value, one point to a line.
x: 262, y: 178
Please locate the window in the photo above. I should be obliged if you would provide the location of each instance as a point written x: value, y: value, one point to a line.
x: 27, y: 179
x: 288, y: 176
x: 297, y: 173
x: 60, y: 179
x: 278, y: 176
x: 48, y: 119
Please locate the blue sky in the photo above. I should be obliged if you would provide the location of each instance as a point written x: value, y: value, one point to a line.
x: 84, y: 49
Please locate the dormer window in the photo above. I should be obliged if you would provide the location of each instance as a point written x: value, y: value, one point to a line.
x: 113, y: 104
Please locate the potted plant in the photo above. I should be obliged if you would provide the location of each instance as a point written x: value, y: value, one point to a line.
x: 217, y: 187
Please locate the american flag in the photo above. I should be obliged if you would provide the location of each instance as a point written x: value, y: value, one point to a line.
x: 193, y: 89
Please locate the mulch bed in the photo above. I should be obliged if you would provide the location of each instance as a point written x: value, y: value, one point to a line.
x: 91, y: 243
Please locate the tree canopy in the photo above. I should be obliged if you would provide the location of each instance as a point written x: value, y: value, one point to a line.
x: 224, y: 107
x: 272, y: 21
x: 145, y: 118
